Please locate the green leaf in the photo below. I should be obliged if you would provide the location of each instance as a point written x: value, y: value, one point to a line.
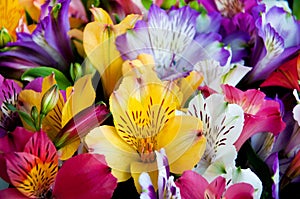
x: 44, y: 71
x: 296, y: 9
x: 167, y: 4
x: 27, y: 119
x: 10, y: 106
x: 147, y: 3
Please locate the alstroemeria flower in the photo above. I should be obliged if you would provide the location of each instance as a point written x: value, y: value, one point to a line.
x: 261, y: 115
x: 292, y: 171
x: 48, y: 45
x: 166, y: 186
x: 215, y: 75
x: 34, y: 173
x: 296, y: 109
x: 72, y: 118
x: 172, y: 39
x: 278, y: 31
x: 143, y: 109
x: 9, y: 91
x: 287, y: 75
x: 228, y: 8
x: 99, y: 45
x: 192, y: 185
x: 222, y: 126
x: 8, y: 20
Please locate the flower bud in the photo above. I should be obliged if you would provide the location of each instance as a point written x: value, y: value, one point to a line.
x: 49, y: 99
x: 4, y: 37
x: 75, y: 71
x: 34, y: 114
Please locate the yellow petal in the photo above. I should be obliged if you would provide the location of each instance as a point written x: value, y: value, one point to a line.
x: 32, y: 7
x: 26, y: 100
x: 76, y: 36
x: 127, y: 23
x: 189, y: 85
x: 48, y: 82
x: 99, y: 45
x: 68, y: 151
x: 81, y: 97
x: 183, y: 141
x: 118, y: 154
x: 138, y: 167
x: 101, y: 15
x: 52, y: 122
x: 11, y: 13
x: 120, y: 175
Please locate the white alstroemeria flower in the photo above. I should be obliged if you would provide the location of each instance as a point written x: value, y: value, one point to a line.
x: 296, y: 110
x: 222, y: 125
x: 214, y: 74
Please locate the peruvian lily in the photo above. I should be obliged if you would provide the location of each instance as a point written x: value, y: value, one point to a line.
x: 9, y: 91
x: 215, y: 75
x: 172, y: 39
x: 296, y: 110
x: 192, y: 185
x: 261, y: 115
x: 278, y: 31
x: 292, y: 171
x: 9, y: 22
x: 34, y: 173
x: 71, y: 118
x: 143, y: 109
x: 99, y: 45
x: 166, y: 186
x: 287, y: 75
x: 228, y: 8
x: 222, y: 125
x: 48, y: 45
x: 15, y: 141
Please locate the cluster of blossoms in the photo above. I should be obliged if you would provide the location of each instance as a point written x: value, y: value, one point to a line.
x: 149, y: 99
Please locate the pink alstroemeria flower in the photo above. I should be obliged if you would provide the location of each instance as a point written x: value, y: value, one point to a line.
x: 194, y: 186
x: 261, y: 115
x: 35, y: 173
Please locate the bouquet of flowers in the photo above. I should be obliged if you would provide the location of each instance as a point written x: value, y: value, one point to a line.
x: 149, y: 99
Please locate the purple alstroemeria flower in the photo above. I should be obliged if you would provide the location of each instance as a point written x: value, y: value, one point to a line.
x: 228, y: 8
x: 48, y: 45
x: 278, y: 40
x: 9, y: 91
x: 172, y: 38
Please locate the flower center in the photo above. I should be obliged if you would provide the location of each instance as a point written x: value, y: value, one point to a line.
x: 229, y: 8
x: 146, y: 148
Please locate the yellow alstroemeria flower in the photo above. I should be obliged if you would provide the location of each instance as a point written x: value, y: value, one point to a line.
x: 99, y: 45
x: 10, y: 15
x: 143, y: 109
x: 64, y: 110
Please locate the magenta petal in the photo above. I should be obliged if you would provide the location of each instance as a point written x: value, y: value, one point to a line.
x: 216, y: 188
x: 240, y: 190
x: 85, y: 176
x: 15, y: 141
x: 256, y: 124
x: 11, y: 193
x: 191, y: 185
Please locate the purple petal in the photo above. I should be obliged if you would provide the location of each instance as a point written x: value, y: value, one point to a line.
x: 147, y: 187
x: 210, y: 22
x: 273, y: 162
x: 238, y: 43
x: 49, y: 44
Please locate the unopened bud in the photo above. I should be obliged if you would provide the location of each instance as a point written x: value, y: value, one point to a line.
x: 75, y: 71
x: 34, y: 114
x: 50, y: 99
x: 4, y: 37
